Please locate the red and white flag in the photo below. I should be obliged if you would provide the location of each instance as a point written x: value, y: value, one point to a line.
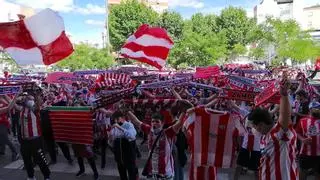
x: 39, y: 39
x: 72, y: 124
x: 149, y: 45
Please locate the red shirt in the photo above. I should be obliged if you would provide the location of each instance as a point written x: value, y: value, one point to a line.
x: 4, y: 117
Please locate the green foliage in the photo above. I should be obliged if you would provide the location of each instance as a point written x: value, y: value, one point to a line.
x: 257, y: 53
x: 213, y: 39
x: 6, y: 59
x: 236, y: 24
x: 125, y: 18
x: 173, y: 23
x: 238, y: 50
x: 86, y: 57
x: 290, y: 41
x: 199, y: 50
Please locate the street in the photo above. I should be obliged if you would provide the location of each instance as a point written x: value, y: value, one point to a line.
x: 62, y: 170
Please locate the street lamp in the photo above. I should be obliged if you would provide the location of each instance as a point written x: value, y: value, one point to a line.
x: 107, y: 25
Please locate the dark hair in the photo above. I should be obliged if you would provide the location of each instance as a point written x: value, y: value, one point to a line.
x: 259, y: 115
x: 75, y: 85
x: 302, y: 93
x: 157, y: 116
x: 117, y: 115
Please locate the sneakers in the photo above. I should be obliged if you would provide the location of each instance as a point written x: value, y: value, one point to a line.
x: 31, y: 178
x: 15, y: 157
x: 80, y: 174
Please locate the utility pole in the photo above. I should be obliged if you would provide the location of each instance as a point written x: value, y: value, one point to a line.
x: 107, y: 36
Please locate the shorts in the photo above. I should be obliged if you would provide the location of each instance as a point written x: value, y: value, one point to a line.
x: 250, y: 160
x: 309, y: 162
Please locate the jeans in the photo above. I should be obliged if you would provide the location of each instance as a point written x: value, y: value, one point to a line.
x: 178, y: 169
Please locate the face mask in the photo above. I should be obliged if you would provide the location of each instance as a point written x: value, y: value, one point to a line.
x: 30, y: 104
x: 120, y: 123
x: 157, y: 131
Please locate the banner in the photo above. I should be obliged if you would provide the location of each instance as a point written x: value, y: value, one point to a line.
x: 112, y: 98
x: 145, y: 77
x: 240, y: 95
x: 64, y: 78
x: 247, y: 96
x: 204, y: 87
x: 163, y: 84
x: 267, y: 93
x: 248, y: 71
x: 207, y: 72
x: 81, y: 73
x: 72, y: 124
x: 9, y: 90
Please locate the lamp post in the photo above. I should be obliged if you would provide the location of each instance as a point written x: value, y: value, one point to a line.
x: 107, y: 37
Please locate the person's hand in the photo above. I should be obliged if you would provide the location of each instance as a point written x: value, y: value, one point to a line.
x: 307, y: 140
x: 284, y: 84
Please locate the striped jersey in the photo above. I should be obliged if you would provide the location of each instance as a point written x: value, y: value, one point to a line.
x: 251, y: 140
x: 161, y: 162
x: 310, y: 127
x: 212, y: 137
x: 30, y: 124
x: 278, y: 161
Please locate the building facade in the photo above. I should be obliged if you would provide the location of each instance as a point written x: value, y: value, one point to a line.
x: 158, y: 5
x: 312, y: 17
x: 282, y: 9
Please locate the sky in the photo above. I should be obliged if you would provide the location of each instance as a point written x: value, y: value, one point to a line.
x: 84, y: 19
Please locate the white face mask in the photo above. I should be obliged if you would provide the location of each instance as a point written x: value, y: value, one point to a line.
x: 30, y: 103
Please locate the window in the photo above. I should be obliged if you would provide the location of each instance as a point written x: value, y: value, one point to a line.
x: 309, y: 24
x: 310, y: 14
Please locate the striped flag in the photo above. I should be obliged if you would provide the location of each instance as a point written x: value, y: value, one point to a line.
x: 39, y: 39
x: 72, y: 124
x: 149, y: 45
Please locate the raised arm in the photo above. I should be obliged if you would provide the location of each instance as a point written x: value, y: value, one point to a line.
x: 186, y: 108
x: 147, y: 93
x: 176, y: 95
x: 134, y: 119
x: 285, y: 107
x: 107, y: 112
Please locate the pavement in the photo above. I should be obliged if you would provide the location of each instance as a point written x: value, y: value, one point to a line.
x: 63, y: 171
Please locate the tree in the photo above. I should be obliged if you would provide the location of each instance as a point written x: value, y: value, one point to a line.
x: 173, y: 23
x: 124, y: 19
x: 236, y: 24
x: 6, y: 59
x: 237, y: 50
x: 257, y: 53
x: 199, y: 50
x: 291, y: 41
x: 86, y: 57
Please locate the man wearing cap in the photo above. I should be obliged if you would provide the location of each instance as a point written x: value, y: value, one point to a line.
x: 308, y: 132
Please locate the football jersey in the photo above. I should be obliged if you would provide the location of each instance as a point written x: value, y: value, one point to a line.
x: 310, y: 127
x: 278, y: 161
x: 212, y: 137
